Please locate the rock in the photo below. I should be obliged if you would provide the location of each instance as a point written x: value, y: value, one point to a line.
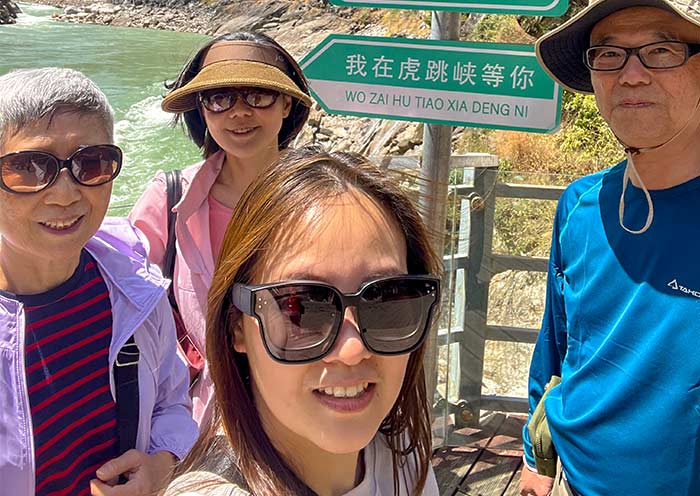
x: 70, y: 10
x: 403, y: 146
x: 343, y: 146
x: 8, y: 12
x: 251, y: 16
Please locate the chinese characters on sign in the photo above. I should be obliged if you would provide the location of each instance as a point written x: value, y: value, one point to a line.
x: 482, y: 85
x: 438, y: 70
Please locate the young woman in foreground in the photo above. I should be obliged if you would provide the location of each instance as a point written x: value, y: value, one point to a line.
x: 242, y: 98
x: 323, y: 294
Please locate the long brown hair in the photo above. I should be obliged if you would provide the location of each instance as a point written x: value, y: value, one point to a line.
x: 193, y: 119
x: 303, y: 180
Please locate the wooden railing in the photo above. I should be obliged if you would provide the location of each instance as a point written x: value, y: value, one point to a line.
x: 478, y: 264
x: 475, y: 264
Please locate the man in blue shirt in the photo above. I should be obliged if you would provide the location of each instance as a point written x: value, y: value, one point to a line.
x: 622, y: 318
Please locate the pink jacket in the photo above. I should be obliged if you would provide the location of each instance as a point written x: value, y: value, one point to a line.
x: 194, y: 262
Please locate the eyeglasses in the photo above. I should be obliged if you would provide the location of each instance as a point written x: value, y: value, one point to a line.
x: 300, y: 320
x: 222, y: 99
x: 658, y: 55
x: 30, y: 171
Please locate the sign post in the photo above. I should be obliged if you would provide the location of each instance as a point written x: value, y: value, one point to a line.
x: 434, y: 175
x: 521, y: 7
x: 485, y: 85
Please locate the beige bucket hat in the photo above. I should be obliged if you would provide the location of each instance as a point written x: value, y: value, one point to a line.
x: 561, y: 51
x: 239, y: 63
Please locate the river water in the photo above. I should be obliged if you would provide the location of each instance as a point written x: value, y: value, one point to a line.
x: 130, y: 65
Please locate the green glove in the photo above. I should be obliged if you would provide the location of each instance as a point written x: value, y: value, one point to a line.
x: 538, y: 428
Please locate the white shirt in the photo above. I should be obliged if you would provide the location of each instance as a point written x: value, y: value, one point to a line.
x: 378, y: 479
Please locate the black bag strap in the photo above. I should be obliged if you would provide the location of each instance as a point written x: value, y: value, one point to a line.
x: 173, y: 184
x: 126, y: 384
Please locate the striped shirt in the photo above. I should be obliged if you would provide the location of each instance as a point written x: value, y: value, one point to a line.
x: 68, y: 333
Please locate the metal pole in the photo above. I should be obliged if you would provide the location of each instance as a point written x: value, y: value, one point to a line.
x: 434, y: 175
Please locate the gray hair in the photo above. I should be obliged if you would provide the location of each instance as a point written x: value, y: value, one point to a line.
x: 29, y: 95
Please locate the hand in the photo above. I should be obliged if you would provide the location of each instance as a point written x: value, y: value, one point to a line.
x: 146, y: 474
x: 534, y: 484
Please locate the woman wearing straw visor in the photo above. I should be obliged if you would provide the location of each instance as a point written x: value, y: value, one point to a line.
x: 323, y: 294
x: 242, y: 98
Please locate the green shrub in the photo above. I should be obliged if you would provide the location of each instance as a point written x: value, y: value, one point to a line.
x: 523, y: 226
x: 500, y: 29
x: 586, y: 134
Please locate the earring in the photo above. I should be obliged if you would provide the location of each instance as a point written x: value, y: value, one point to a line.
x: 208, y: 140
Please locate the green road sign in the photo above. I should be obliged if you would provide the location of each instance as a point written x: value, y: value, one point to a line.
x: 521, y: 7
x: 485, y: 85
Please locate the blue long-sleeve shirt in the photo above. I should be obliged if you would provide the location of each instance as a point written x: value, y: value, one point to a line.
x: 622, y: 328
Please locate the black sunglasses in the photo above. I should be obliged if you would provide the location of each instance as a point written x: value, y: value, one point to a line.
x: 30, y: 171
x: 300, y: 320
x: 222, y: 99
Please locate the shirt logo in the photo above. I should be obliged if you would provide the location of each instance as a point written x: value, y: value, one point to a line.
x: 678, y: 287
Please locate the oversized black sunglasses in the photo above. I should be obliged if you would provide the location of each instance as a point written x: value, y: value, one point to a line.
x: 300, y: 320
x: 221, y: 100
x: 30, y: 171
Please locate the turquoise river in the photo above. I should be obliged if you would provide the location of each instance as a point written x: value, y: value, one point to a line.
x: 130, y: 65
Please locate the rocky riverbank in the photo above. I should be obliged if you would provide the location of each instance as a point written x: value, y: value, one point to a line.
x: 8, y: 12
x: 188, y: 17
x: 206, y: 17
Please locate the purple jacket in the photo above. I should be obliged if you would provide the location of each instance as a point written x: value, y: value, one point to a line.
x: 140, y: 308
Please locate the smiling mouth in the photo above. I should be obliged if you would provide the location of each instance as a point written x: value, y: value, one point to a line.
x: 242, y: 130
x: 344, y: 392
x: 61, y: 225
x: 635, y: 104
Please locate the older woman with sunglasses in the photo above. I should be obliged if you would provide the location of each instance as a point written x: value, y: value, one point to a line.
x: 322, y: 297
x: 84, y: 318
x: 243, y: 99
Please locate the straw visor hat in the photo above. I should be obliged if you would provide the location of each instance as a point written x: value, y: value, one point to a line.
x: 561, y: 51
x: 238, y: 63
